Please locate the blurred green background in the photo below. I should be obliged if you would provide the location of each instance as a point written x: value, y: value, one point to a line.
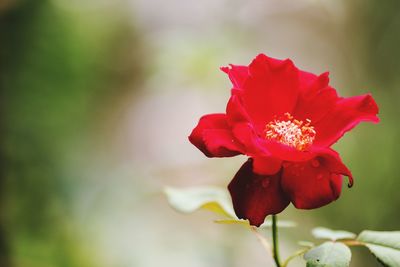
x: 97, y: 98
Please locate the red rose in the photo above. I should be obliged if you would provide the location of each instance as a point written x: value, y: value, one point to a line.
x: 285, y: 120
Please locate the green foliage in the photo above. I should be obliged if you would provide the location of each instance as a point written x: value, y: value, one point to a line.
x: 329, y: 254
x: 334, y: 253
x: 325, y: 233
x: 191, y: 199
x: 384, y: 245
x: 213, y: 199
x: 53, y: 85
x: 306, y: 244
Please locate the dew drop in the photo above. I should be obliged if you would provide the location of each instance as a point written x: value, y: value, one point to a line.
x: 265, y: 183
x: 315, y: 163
x: 286, y: 164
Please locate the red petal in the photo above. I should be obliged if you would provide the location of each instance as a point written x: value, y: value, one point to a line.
x: 306, y: 79
x: 266, y: 165
x: 242, y: 127
x: 346, y: 114
x: 316, y: 182
x: 288, y: 153
x: 247, y: 136
x: 257, y: 146
x: 235, y: 110
x: 214, y: 138
x: 316, y: 99
x: 311, y: 84
x: 256, y: 196
x: 271, y: 90
x: 237, y: 74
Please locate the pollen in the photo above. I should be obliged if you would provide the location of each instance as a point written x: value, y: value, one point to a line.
x: 291, y: 132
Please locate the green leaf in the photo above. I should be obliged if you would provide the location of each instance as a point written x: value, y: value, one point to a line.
x: 325, y: 233
x: 384, y: 245
x: 233, y: 221
x: 188, y: 200
x: 329, y: 254
x: 306, y: 244
x: 385, y: 238
x: 215, y: 199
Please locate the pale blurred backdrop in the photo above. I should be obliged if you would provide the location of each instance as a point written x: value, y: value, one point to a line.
x: 97, y: 98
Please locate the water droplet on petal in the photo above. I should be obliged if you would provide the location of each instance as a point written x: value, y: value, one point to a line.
x: 265, y: 182
x: 286, y: 164
x: 315, y: 163
x: 320, y: 176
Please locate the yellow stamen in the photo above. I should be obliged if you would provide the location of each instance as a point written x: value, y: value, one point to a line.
x: 291, y: 132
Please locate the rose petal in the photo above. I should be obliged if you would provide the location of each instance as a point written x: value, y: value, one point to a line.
x: 306, y: 79
x: 316, y: 182
x: 256, y: 196
x: 243, y: 129
x: 271, y: 90
x: 237, y: 74
x: 214, y: 138
x: 288, y: 153
x: 266, y: 165
x: 246, y: 134
x: 235, y: 111
x: 311, y: 84
x: 316, y: 99
x: 347, y: 113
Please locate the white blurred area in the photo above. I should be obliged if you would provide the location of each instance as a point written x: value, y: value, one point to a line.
x: 121, y: 209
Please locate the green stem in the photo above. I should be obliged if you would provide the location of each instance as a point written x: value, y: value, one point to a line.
x: 296, y: 254
x: 275, y: 241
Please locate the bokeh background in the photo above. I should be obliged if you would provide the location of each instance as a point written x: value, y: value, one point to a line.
x: 97, y: 98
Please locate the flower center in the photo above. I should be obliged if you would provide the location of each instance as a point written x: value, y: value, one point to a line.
x: 291, y: 132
